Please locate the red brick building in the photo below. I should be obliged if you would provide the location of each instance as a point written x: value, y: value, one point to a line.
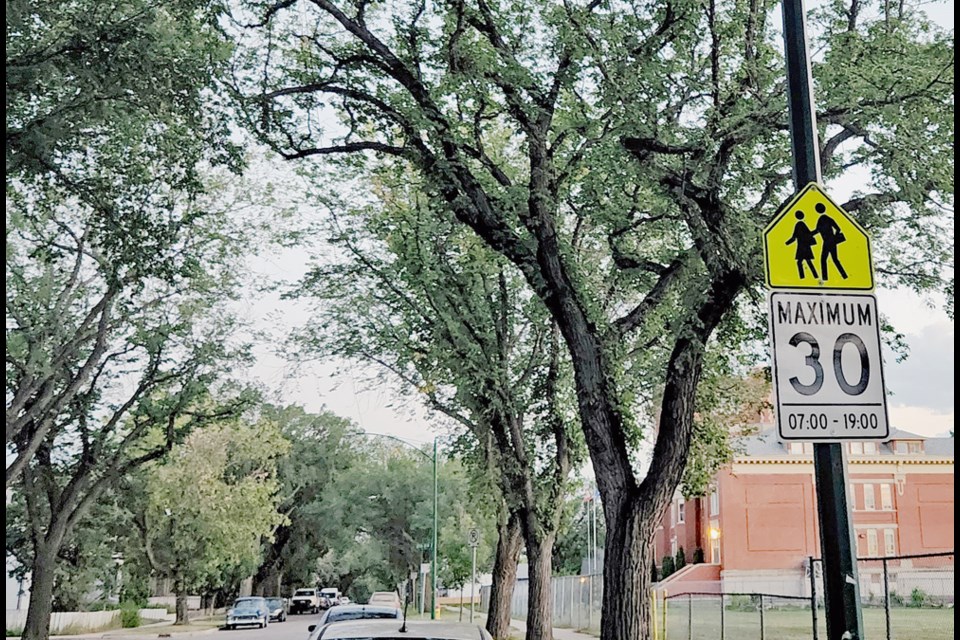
x: 758, y: 527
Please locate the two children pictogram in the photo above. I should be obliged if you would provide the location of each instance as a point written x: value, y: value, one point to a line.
x: 805, y: 238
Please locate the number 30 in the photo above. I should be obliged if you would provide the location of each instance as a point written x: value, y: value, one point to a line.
x: 813, y: 361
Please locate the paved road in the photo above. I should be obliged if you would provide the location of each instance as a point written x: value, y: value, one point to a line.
x: 295, y: 628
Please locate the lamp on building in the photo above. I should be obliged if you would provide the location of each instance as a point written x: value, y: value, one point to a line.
x: 714, y: 533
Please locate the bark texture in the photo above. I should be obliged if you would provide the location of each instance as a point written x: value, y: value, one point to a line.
x: 504, y: 579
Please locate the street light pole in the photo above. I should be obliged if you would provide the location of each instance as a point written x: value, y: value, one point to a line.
x: 433, y: 567
x: 433, y: 559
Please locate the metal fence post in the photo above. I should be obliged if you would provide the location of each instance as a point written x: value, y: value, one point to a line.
x: 689, y: 616
x: 761, y: 617
x: 590, y: 601
x: 664, y: 614
x: 886, y: 597
x: 813, y: 596
x: 722, y: 630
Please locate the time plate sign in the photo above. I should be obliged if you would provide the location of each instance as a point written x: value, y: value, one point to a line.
x: 827, y: 370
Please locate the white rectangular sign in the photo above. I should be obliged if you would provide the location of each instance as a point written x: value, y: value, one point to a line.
x: 425, y: 568
x: 827, y: 369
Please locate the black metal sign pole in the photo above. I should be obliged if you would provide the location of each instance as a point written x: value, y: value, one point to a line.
x: 840, y: 581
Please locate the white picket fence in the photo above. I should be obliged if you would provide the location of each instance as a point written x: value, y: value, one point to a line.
x: 83, y: 621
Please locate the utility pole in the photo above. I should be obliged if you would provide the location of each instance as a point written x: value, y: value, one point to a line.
x: 841, y: 584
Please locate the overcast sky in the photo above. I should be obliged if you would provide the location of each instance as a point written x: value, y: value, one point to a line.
x: 921, y: 387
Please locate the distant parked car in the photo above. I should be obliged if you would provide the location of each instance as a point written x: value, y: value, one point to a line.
x: 329, y: 597
x: 386, y: 598
x: 305, y: 599
x: 278, y: 609
x: 344, y: 600
x: 353, y: 612
x: 247, y: 611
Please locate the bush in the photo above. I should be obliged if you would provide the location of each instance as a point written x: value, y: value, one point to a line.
x: 681, y: 559
x: 666, y: 568
x: 896, y: 598
x: 14, y: 633
x: 698, y: 556
x: 129, y: 615
x: 917, y: 597
x: 654, y: 577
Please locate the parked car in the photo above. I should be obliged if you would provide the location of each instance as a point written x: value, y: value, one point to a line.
x: 329, y: 597
x: 278, y: 609
x: 385, y: 598
x: 353, y: 612
x: 305, y: 599
x: 425, y: 630
x: 246, y: 611
x: 344, y: 600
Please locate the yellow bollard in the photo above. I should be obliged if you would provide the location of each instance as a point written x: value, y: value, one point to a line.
x: 653, y: 614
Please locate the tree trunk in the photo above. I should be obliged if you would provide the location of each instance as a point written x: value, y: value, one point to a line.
x: 540, y: 592
x: 40, y: 607
x: 628, y: 553
x: 504, y: 579
x: 180, y: 589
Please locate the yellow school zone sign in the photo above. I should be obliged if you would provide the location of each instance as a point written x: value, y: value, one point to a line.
x: 812, y: 243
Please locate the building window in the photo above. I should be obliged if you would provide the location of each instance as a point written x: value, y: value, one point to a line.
x: 911, y: 446
x: 872, y: 549
x: 855, y: 448
x: 869, y: 498
x: 870, y: 448
x: 714, y: 535
x: 886, y: 497
x: 800, y: 448
x: 680, y: 511
x: 889, y: 542
x: 714, y: 503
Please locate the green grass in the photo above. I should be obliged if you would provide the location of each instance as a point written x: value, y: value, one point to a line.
x: 906, y: 624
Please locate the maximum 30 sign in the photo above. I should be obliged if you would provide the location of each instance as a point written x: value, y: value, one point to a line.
x: 827, y: 368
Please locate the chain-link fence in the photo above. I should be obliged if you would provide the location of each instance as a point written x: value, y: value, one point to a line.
x: 731, y: 616
x: 902, y: 597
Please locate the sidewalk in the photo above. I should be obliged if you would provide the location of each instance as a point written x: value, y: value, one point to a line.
x: 559, y: 633
x: 143, y: 632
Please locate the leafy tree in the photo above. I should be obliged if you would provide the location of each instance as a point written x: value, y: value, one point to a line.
x: 573, y: 538
x: 445, y: 316
x: 645, y: 150
x: 115, y: 252
x: 324, y: 448
x: 208, y: 507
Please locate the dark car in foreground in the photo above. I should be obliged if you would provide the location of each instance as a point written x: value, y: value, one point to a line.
x: 391, y: 630
x: 347, y: 612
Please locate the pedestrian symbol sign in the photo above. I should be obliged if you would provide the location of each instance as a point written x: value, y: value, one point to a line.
x: 812, y: 243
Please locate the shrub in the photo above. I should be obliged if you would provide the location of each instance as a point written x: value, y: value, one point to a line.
x: 917, y: 597
x: 667, y: 567
x: 681, y: 560
x: 129, y: 615
x: 653, y: 572
x: 14, y: 633
x: 698, y: 556
x: 896, y: 598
